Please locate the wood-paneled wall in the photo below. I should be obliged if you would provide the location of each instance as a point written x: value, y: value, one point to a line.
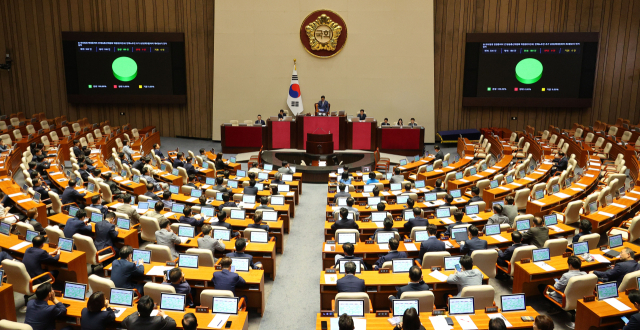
x: 618, y: 70
x: 31, y: 31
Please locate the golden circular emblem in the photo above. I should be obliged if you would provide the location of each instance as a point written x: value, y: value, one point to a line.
x: 323, y: 33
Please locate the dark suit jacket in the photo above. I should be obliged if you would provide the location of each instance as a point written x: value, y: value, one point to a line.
x: 475, y: 199
x: 105, y: 234
x: 76, y: 226
x: 42, y: 168
x: 431, y: 245
x: 226, y: 280
x: 135, y: 322
x: 250, y: 190
x: 618, y: 272
x: 439, y: 155
x: 84, y: 175
x: 159, y: 153
x: 42, y: 316
x: 191, y: 221
x: 362, y: 116
x: 227, y: 204
x: 260, y: 122
x: 352, y: 258
x: 576, y: 238
x: 37, y: 226
x: 243, y: 255
x: 390, y: 256
x: 190, y: 169
x: 562, y: 164
x: 97, y: 321
x: 412, y: 287
x: 123, y: 272
x: 115, y: 190
x: 504, y: 256
x: 152, y: 195
x: 138, y: 165
x: 634, y: 322
x: 350, y: 283
x: 178, y: 163
x: 344, y: 224
x: 436, y: 190
x: 447, y: 232
x: 253, y: 225
x: 70, y: 195
x: 416, y: 222
x: 44, y: 194
x: 77, y: 151
x: 100, y: 207
x: 33, y: 260
x: 536, y: 236
x: 472, y: 245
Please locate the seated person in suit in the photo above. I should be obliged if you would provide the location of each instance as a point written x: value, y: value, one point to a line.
x: 208, y: 242
x: 142, y: 320
x: 574, y: 270
x: 362, y: 115
x: 177, y: 281
x: 225, y: 279
x: 372, y: 178
x: 259, y: 121
x: 439, y: 153
x: 341, y: 192
x: 127, y: 209
x: 157, y: 152
x: 281, y: 114
x: 277, y: 179
x: 376, y: 192
x: 399, y: 122
x: 497, y: 324
x: 106, y: 232
x: 323, y: 106
x: 123, y: 159
x: 113, y: 186
x: 42, y: 166
x: 150, y: 189
x: 76, y: 148
x: 138, y: 164
x: 350, y: 283
x: 225, y: 201
x: 473, y: 243
x: 538, y: 234
x: 156, y: 212
x: 191, y: 181
x: 448, y: 200
x: 40, y: 314
x: 222, y: 217
x: 385, y: 122
x: 387, y: 226
x: 188, y: 166
x: 4, y: 255
x: 37, y: 187
x: 344, y: 222
x: 78, y: 225
x: 561, y: 163
x: 83, y: 170
x: 417, y: 221
x: 35, y: 256
x: 32, y: 215
x: 257, y: 223
x: 467, y: 277
x: 71, y: 195
x: 125, y: 270
x: 393, y: 253
x: 3, y: 147
x: 93, y: 317
x: 413, y: 123
x: 254, y: 168
x: 397, y: 176
x: 264, y: 204
x: 498, y: 217
x: 504, y: 256
x: 219, y: 186
x: 96, y: 203
x: 407, y: 187
x: 345, y: 178
x: 509, y: 209
x: 438, y: 187
x: 634, y: 320
x: 432, y: 244
x: 475, y: 195
x: 166, y: 236
x: 251, y: 189
x: 626, y: 265
x: 350, y: 208
x: 585, y: 229
x: 187, y: 218
x: 179, y: 160
x: 415, y: 283
x: 349, y: 249
x: 285, y: 169
x: 166, y: 199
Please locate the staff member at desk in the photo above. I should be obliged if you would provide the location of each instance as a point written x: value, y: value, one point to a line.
x: 323, y: 106
x: 78, y: 225
x: 417, y: 220
x: 42, y: 316
x: 362, y: 115
x: 259, y: 121
x: 626, y: 265
x: 142, y: 320
x: 385, y: 122
x: 634, y: 320
x: 125, y: 269
x: 416, y: 283
x: 350, y: 283
x: 281, y: 115
x: 93, y: 317
x: 413, y: 123
x: 225, y: 279
x: 35, y: 256
x: 285, y: 168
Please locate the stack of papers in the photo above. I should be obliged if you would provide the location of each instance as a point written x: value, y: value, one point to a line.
x: 19, y: 246
x: 327, y: 247
x: 219, y: 321
x: 192, y: 199
x: 561, y: 195
x: 600, y: 258
x: 619, y: 205
x: 410, y: 247
x: 608, y: 215
x: 168, y: 214
x: 330, y: 278
x: 439, y: 322
x: 439, y: 276
x: 617, y: 304
x: 25, y: 200
x: 158, y: 270
x: 448, y: 245
x: 499, y: 238
x: 630, y: 198
x: 383, y: 246
x: 465, y: 322
x: 544, y: 266
x: 555, y: 228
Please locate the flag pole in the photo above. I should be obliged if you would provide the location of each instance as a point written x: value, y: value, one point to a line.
x: 294, y: 63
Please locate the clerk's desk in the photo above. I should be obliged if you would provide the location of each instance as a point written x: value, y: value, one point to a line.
x: 526, y: 277
x: 74, y: 314
x: 74, y: 262
x: 600, y: 315
x: 126, y: 237
x: 480, y: 319
x: 380, y: 286
x: 200, y: 279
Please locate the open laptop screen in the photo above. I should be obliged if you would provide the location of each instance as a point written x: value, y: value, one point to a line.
x: 513, y: 302
x: 461, y: 306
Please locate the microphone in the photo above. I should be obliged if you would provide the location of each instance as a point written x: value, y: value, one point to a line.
x: 318, y: 129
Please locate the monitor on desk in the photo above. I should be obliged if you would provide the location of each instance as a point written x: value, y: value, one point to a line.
x: 237, y: 214
x: 5, y: 228
x: 500, y: 202
x: 541, y: 255
x: 539, y: 194
x: 174, y: 189
x: 443, y: 212
x: 367, y: 188
x: 91, y: 187
x: 461, y: 306
x: 269, y: 216
x: 177, y: 208
x: 36, y: 197
x: 456, y: 193
x: 225, y: 305
x: 346, y: 238
x: 173, y: 302
x: 351, y: 307
x: 219, y: 196
x: 419, y: 184
x: 283, y: 188
x: 459, y: 175
x: 593, y: 207
x: 292, y: 168
x: 73, y: 210
x: 268, y: 167
x: 523, y: 224
x: 223, y: 234
x: 395, y: 186
x: 403, y: 162
x: 522, y: 174
x: 429, y: 168
x: 241, y: 173
x: 451, y: 262
x: 416, y: 158
x: 378, y: 216
x: 75, y: 291
x: 460, y: 233
x: 287, y: 177
x: 607, y: 290
x: 186, y: 231
x: 135, y: 178
x: 383, y: 237
x: 196, y: 193
x: 555, y: 188
x: 240, y: 264
x: 430, y: 197
x: 31, y: 234
x: 580, y: 248
x: 1, y: 276
x: 342, y: 262
x: 263, y: 176
x: 210, y: 181
x: 341, y: 201
x: 144, y: 255
x: 277, y: 200
x: 494, y: 184
x: 550, y: 220
x: 121, y: 297
x: 509, y: 179
x: 421, y: 235
x: 143, y: 205
x: 408, y: 214
x: 232, y: 183
x: 492, y: 230
x: 513, y: 302
x: 65, y: 244
x: 206, y: 211
x: 123, y: 223
x: 96, y: 217
x: 615, y: 241
x: 401, y: 305
x: 259, y: 237
x: 471, y: 209
x: 445, y: 163
x: 188, y: 260
x: 249, y: 199
x: 401, y: 265
x: 402, y: 199
x: 163, y: 167
x: 205, y: 165
x: 608, y: 200
x: 388, y: 175
x: 373, y: 201
x: 472, y: 171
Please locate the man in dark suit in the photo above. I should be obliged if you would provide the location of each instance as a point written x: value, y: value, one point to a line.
x: 417, y: 220
x: 561, y: 163
x: 475, y: 192
x: 342, y: 193
x: 264, y: 204
x: 188, y: 166
x: 125, y: 269
x: 393, y: 253
x: 438, y: 187
x: 42, y: 316
x: 32, y: 167
x: 362, y: 115
x: 113, y: 186
x: 188, y: 219
x: 350, y: 283
x: 504, y: 256
x: 416, y: 283
x: 78, y: 225
x: 349, y: 249
x: 35, y: 256
x: 106, y: 232
x: 433, y: 244
x: 385, y: 122
x: 178, y: 282
x: 44, y: 193
x: 76, y: 149
x: 344, y: 222
x: 142, y: 320
x: 257, y: 223
x: 626, y: 265
x: 251, y: 189
x: 473, y: 243
x: 510, y: 210
x: 281, y: 115
x: 96, y: 203
x: 138, y: 164
x: 439, y: 153
x: 634, y: 320
x: 70, y: 195
x: 218, y: 186
x: 241, y: 245
x: 259, y: 121
x: 149, y: 193
x: 42, y: 166
x: 538, y: 234
x: 222, y: 217
x: 225, y: 279
x: 178, y: 162
x: 323, y: 105
x: 157, y: 152
x: 448, y: 200
x: 225, y: 201
x: 84, y: 174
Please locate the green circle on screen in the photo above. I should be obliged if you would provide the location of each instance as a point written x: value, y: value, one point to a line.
x: 124, y: 68
x: 529, y: 71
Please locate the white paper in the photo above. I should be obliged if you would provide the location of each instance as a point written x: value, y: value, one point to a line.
x: 445, y: 220
x: 538, y: 203
x: 439, y: 322
x: 463, y: 180
x: 438, y: 170
x: 609, y: 215
x: 20, y: 246
x: 219, y: 321
x: 544, y: 265
x: 619, y: 205
x: 555, y: 228
x: 423, y: 160
x: 439, y: 276
x: 589, y: 175
x: 465, y: 322
x: 25, y: 200
x: 448, y: 245
x: 330, y: 278
x: 634, y: 192
x: 291, y: 193
x: 490, y: 170
x: 327, y: 247
x: 410, y: 247
x: 158, y: 270
x: 498, y: 315
x: 415, y: 190
x: 450, y: 167
x: 617, y: 304
x: 55, y: 173
x: 479, y: 175
x: 383, y: 246
x: 14, y: 195
x: 116, y: 205
x: 499, y: 238
x: 504, y: 188
x: 561, y: 195
x: 364, y: 194
x: 600, y: 258
x: 206, y: 186
x: 385, y: 193
x: 528, y: 178
x: 168, y: 214
x: 402, y: 168
x: 576, y: 189
x: 630, y: 198
x: 581, y: 184
x: 379, y: 224
x: 192, y: 199
x: 423, y: 189
x: 468, y: 157
x: 516, y: 184
x: 538, y: 172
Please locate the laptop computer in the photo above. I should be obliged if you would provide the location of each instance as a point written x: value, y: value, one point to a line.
x: 513, y: 302
x: 240, y: 264
x: 123, y: 223
x: 259, y: 237
x: 278, y: 200
x: 607, y: 290
x: 580, y: 248
x: 430, y: 197
x: 383, y: 237
x: 551, y: 220
x: 555, y: 188
x: 421, y: 235
x: 75, y: 291
x: 401, y: 265
x: 225, y: 305
x: 373, y: 201
x: 472, y: 212
x: 540, y: 255
x: 367, y: 188
x: 174, y: 189
x: 494, y: 184
x: 460, y: 233
x: 237, y: 214
x: 456, y: 193
x: 249, y: 199
x: 351, y: 307
x: 402, y: 199
x: 96, y: 217
x: 30, y: 235
x: 219, y: 196
x: 268, y: 167
x: 459, y: 175
x: 5, y: 228
x: 188, y: 260
x: 523, y: 225
x: 173, y: 302
x: 492, y: 229
x: 593, y: 207
x: 408, y: 214
x: 378, y: 216
x: 73, y: 210
x: 287, y: 177
x: 285, y: 188
x: 207, y: 212
x: 342, y: 262
x: 186, y: 232
x: 144, y: 255
x: 501, y: 203
x: 196, y: 193
x: 223, y: 234
x: 509, y: 179
x: 403, y: 162
x: 232, y: 183
x: 451, y: 262
x: 395, y: 186
x: 461, y: 306
x: 121, y: 297
x: 539, y: 194
x: 241, y: 174
x: 177, y: 208
x: 401, y: 305
x: 614, y: 242
x: 346, y: 238
x: 420, y: 184
x: 269, y: 216
x: 65, y: 244
x: 443, y: 212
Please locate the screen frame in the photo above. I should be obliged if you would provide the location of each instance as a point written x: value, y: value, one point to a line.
x: 473, y: 301
x: 515, y: 310
x: 184, y: 297
x: 65, y: 290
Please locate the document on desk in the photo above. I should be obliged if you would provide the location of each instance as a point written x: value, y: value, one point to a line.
x: 158, y: 270
x: 424, y: 190
x: 490, y: 170
x: 538, y: 203
x: 465, y: 322
x: 478, y: 175
x: 619, y: 205
x: 555, y: 228
x: 55, y: 173
x: 379, y: 224
x: 499, y: 238
x: 608, y: 215
x: 448, y: 245
x: 617, y: 304
x: 468, y: 157
x: 544, y: 266
x: 561, y: 195
x: 504, y: 188
x: 24, y: 200
x: 14, y: 195
x: 118, y: 311
x: 19, y: 246
x: 116, y: 205
x: 576, y: 189
x: 385, y: 193
x: 439, y: 322
x: 415, y: 190
x: 330, y: 278
x: 439, y: 276
x: 383, y: 246
x: 500, y: 316
x: 328, y: 247
x: 168, y: 214
x: 528, y: 178
x: 192, y: 199
x: 364, y: 194
x: 516, y: 184
x: 589, y: 175
x: 402, y: 168
x: 601, y: 258
x: 410, y: 247
x: 630, y: 198
x: 219, y: 321
x: 358, y: 323
x: 538, y: 172
x: 445, y: 220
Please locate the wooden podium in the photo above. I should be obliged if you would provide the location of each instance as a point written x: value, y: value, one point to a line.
x: 319, y: 144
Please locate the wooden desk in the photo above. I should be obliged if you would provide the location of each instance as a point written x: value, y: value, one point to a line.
x: 8, y: 312
x: 62, y: 182
x: 200, y: 279
x: 527, y: 276
x: 74, y: 311
x: 126, y: 237
x: 10, y: 188
x: 469, y: 181
x: 73, y: 262
x: 600, y: 315
x: 602, y: 222
x: 499, y: 193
